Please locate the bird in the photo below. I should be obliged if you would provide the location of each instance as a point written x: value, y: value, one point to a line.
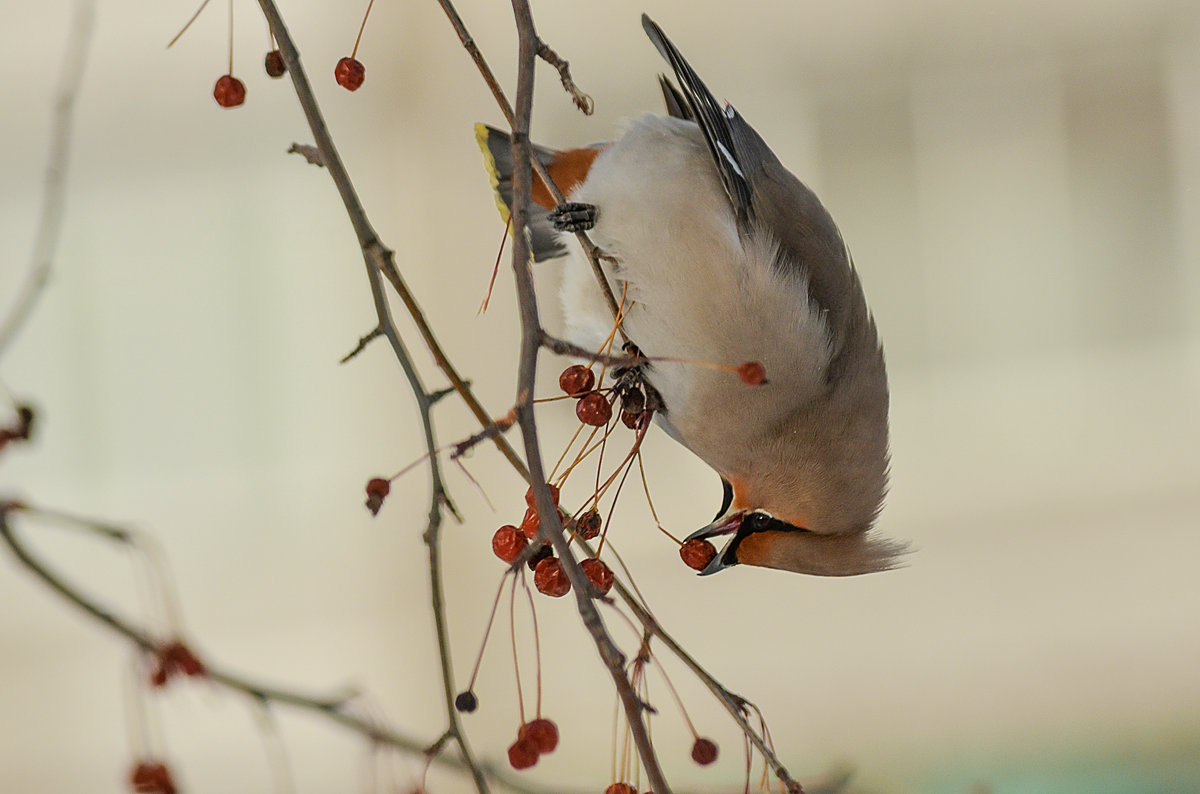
x: 722, y: 255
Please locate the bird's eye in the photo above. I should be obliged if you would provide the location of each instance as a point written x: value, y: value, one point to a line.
x: 757, y: 521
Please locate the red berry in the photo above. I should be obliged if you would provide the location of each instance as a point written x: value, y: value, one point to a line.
x: 593, y: 409
x: 159, y: 677
x: 620, y: 788
x: 554, y: 494
x: 588, y: 525
x: 531, y: 522
x: 377, y: 490
x: 599, y: 574
x: 576, y: 380
x: 180, y: 657
x: 274, y: 64
x: 697, y: 553
x: 229, y: 91
x: 523, y: 753
x: 550, y: 578
x: 631, y: 420
x: 151, y: 777
x: 350, y: 73
x: 543, y: 732
x: 508, y: 543
x: 704, y: 751
x: 752, y: 373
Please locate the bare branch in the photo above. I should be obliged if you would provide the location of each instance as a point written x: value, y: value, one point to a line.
x: 531, y: 344
x: 53, y: 193
x: 581, y: 100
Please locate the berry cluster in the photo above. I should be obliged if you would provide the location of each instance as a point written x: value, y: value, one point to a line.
x: 174, y: 659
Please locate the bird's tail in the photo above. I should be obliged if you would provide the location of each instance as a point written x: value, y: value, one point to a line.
x: 496, y: 146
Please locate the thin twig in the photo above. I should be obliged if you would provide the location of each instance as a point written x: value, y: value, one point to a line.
x: 53, y: 192
x: 581, y: 100
x: 531, y: 344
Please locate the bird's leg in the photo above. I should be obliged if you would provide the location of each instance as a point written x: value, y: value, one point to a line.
x: 637, y: 396
x: 573, y: 216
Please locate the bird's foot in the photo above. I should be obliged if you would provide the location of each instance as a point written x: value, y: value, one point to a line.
x: 573, y: 216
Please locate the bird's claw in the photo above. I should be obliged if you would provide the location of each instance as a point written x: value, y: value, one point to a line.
x: 573, y: 216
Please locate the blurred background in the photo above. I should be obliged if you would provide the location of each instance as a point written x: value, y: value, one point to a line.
x: 1020, y: 185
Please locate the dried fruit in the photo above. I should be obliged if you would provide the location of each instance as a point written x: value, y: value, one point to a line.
x: 274, y: 64
x: 543, y: 732
x: 704, y: 751
x: 620, y: 788
x: 550, y: 578
x: 576, y: 380
x: 531, y: 523
x: 350, y: 73
x: 593, y: 409
x: 466, y: 702
x: 697, y: 553
x: 229, y: 91
x: 554, y: 494
x: 599, y: 574
x: 543, y: 553
x: 588, y: 524
x: 633, y: 421
x: 523, y: 753
x: 752, y: 373
x: 633, y: 400
x: 508, y: 543
x: 377, y: 490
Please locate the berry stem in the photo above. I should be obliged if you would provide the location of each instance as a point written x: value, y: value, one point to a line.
x: 512, y: 633
x: 537, y: 647
x: 487, y: 632
x: 678, y: 701
x: 650, y: 502
x: 361, y: 28
x: 230, y: 37
x: 188, y: 24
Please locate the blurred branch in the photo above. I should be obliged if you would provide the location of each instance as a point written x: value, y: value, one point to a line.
x: 53, y: 192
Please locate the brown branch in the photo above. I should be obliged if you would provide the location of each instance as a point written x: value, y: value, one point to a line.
x: 581, y: 100
x: 531, y: 345
x: 53, y: 192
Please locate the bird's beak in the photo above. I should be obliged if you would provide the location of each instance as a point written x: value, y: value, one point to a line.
x: 727, y: 524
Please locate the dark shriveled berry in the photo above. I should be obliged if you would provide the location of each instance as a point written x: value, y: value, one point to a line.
x: 274, y: 65
x: 588, y: 525
x: 377, y: 490
x: 466, y: 702
x: 541, y: 554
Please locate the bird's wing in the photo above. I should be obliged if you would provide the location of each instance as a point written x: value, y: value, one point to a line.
x: 765, y: 196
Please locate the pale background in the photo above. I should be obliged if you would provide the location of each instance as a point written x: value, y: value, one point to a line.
x: 1020, y: 183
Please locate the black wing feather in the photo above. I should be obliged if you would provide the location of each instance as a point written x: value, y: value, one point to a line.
x: 713, y: 121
